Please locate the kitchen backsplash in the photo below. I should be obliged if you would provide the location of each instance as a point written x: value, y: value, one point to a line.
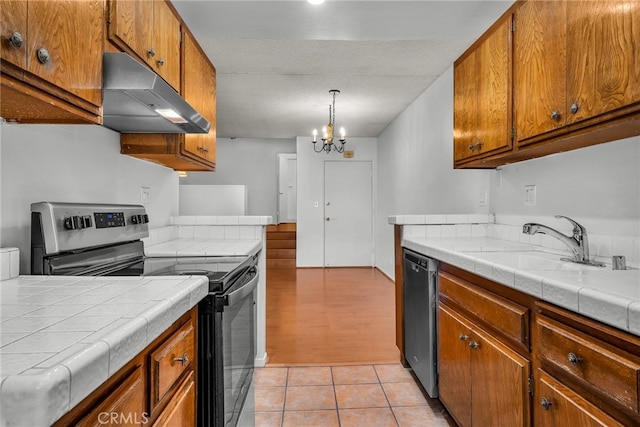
x: 601, y: 246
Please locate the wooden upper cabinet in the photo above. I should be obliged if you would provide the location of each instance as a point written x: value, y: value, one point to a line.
x: 13, y: 32
x: 573, y: 61
x: 199, y: 89
x: 539, y: 68
x: 52, y: 61
x: 603, y: 61
x: 65, y: 45
x: 482, y: 95
x: 150, y: 30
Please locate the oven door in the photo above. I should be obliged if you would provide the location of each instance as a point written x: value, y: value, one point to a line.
x: 226, y: 351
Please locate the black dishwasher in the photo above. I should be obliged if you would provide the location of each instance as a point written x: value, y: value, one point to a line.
x: 420, y: 328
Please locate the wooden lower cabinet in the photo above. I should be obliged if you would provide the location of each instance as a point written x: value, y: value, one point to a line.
x: 126, y: 399
x: 481, y: 381
x: 180, y: 410
x: 558, y: 405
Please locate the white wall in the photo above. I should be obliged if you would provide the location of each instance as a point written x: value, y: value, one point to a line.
x: 598, y: 186
x: 72, y: 164
x: 415, y: 167
x: 310, y: 225
x: 250, y: 162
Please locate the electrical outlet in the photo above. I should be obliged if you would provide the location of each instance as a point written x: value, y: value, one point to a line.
x: 482, y: 200
x: 530, y: 195
x: 145, y: 195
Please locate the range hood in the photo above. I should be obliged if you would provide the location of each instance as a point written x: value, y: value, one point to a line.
x: 137, y: 100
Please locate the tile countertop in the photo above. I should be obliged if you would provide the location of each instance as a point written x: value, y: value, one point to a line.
x: 612, y: 297
x: 209, y: 247
x: 62, y: 337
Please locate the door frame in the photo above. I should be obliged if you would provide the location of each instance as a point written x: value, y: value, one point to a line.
x: 282, y: 157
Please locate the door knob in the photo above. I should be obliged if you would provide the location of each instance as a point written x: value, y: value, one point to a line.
x: 327, y: 219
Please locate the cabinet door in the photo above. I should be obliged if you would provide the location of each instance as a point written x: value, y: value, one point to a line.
x: 13, y: 20
x: 199, y: 89
x: 499, y: 383
x: 603, y: 64
x: 494, y: 94
x: 539, y: 68
x: 557, y: 405
x: 131, y: 25
x: 181, y: 410
x: 166, y: 61
x: 454, y: 366
x: 465, y: 107
x: 65, y: 45
x: 123, y: 407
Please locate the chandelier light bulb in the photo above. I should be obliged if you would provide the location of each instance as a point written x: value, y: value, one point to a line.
x: 315, y: 2
x: 315, y: 135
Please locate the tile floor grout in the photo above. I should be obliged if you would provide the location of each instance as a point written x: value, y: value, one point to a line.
x: 417, y: 411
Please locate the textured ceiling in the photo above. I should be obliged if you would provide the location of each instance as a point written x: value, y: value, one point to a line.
x: 277, y: 60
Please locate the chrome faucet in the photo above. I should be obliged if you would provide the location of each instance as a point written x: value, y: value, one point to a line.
x: 578, y: 243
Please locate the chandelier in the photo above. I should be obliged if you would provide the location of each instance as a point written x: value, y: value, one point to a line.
x: 327, y: 131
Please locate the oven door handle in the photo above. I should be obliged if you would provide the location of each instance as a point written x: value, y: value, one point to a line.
x: 241, y: 293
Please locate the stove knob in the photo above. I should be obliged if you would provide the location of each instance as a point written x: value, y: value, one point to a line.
x: 68, y: 223
x: 73, y: 222
x: 135, y: 219
x: 85, y: 222
x: 145, y: 218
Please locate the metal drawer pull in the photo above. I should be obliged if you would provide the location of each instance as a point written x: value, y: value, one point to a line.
x: 573, y: 359
x: 463, y: 337
x: 546, y: 403
x: 474, y: 344
x: 555, y: 115
x: 43, y: 55
x: 183, y: 360
x: 16, y: 40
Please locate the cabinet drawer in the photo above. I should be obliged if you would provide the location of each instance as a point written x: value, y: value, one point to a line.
x: 170, y: 361
x: 603, y: 370
x: 506, y: 317
x: 561, y: 406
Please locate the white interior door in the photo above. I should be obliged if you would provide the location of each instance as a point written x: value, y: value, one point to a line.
x: 287, y: 188
x: 348, y: 209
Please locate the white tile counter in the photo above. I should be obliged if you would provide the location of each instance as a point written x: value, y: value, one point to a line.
x: 612, y: 297
x: 185, y: 247
x: 62, y: 337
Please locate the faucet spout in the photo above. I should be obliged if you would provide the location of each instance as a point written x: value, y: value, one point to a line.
x: 578, y: 242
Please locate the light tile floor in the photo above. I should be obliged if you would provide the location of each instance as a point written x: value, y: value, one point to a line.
x: 343, y: 396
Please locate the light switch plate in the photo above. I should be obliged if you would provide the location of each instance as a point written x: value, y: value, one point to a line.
x: 145, y: 195
x: 530, y: 195
x: 482, y: 200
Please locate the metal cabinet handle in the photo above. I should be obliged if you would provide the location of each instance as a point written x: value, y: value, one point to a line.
x: 574, y: 108
x: 474, y: 344
x: 472, y: 147
x: 573, y: 359
x: 16, y: 40
x: 463, y: 337
x: 478, y: 144
x: 43, y: 55
x: 151, y: 52
x: 161, y: 62
x: 183, y: 360
x: 555, y: 116
x: 546, y: 403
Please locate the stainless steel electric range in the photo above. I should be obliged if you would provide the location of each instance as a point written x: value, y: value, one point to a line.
x: 80, y: 239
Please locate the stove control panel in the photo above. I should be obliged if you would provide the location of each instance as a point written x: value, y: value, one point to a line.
x: 64, y: 227
x: 109, y: 219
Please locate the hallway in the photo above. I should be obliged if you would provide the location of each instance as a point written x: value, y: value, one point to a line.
x: 330, y: 316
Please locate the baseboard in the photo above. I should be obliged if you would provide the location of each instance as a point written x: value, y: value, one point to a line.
x: 260, y: 362
x: 385, y: 274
